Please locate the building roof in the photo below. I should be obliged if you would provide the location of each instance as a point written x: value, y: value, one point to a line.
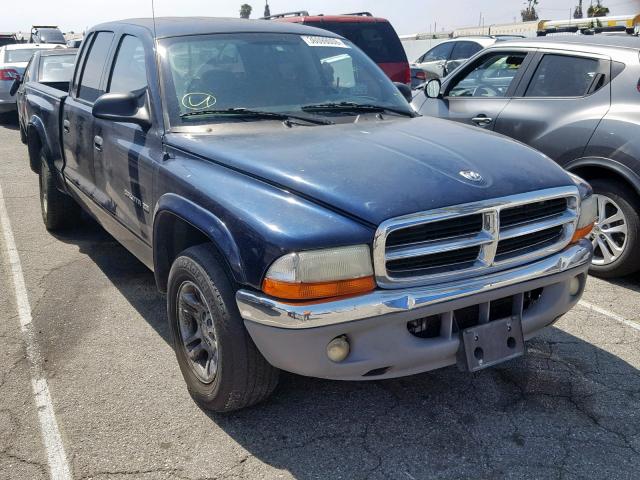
x: 180, y: 26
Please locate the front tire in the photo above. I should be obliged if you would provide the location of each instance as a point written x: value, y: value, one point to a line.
x: 221, y: 365
x: 59, y: 210
x: 616, y: 236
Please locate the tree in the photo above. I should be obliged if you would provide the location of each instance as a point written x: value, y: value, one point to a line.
x: 245, y: 10
x: 529, y: 13
x: 267, y: 10
x: 577, y: 13
x: 597, y: 10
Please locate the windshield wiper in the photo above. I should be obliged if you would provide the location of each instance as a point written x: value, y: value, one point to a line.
x: 257, y: 114
x: 354, y: 107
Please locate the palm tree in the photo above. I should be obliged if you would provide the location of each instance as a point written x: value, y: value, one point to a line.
x: 245, y: 10
x: 578, y: 11
x: 529, y: 13
x: 597, y: 10
x: 267, y: 10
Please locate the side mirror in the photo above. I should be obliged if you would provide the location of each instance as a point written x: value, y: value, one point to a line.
x: 15, y: 86
x: 123, y: 107
x: 405, y: 90
x: 432, y: 88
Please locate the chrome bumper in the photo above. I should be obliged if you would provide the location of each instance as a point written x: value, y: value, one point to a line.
x: 264, y: 310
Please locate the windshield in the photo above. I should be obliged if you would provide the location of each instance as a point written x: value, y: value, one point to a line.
x: 22, y: 55
x: 51, y: 35
x: 280, y: 73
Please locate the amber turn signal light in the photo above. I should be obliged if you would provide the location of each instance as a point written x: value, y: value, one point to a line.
x: 316, y: 291
x: 581, y: 233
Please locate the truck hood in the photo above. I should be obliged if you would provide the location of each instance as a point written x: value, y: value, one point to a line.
x: 377, y: 170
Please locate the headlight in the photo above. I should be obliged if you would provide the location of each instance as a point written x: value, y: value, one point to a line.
x: 588, y: 209
x: 318, y: 274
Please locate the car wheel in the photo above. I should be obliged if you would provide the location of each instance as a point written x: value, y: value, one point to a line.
x: 59, y: 210
x: 221, y: 365
x: 616, y: 235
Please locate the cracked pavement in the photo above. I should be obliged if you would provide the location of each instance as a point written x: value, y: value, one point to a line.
x: 568, y: 410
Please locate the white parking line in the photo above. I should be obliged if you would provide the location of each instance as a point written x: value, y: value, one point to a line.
x: 611, y: 315
x: 56, y: 457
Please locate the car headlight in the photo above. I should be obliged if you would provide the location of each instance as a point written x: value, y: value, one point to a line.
x: 588, y: 209
x: 316, y: 274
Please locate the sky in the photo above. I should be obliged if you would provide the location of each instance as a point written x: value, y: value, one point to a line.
x: 407, y: 16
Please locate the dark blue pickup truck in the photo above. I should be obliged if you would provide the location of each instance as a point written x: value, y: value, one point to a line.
x: 297, y: 212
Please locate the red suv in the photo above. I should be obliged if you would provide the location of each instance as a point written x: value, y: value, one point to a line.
x: 375, y: 36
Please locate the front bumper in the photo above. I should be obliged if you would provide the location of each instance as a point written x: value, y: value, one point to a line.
x: 294, y: 337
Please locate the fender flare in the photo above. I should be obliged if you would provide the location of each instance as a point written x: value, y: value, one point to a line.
x: 606, y: 163
x: 204, y: 221
x: 36, y: 123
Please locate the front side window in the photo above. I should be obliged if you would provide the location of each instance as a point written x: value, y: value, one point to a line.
x: 565, y: 76
x: 439, y: 52
x: 56, y: 68
x: 90, y: 88
x: 278, y: 73
x: 129, y: 69
x: 491, y: 77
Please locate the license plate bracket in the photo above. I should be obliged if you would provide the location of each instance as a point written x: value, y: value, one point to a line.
x: 491, y: 343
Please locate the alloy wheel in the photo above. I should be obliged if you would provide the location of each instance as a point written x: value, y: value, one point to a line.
x: 609, y: 235
x: 197, y: 332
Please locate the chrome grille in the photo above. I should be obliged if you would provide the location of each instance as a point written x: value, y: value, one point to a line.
x: 472, y: 239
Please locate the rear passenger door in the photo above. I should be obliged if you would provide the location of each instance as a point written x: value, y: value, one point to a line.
x: 560, y: 103
x: 124, y: 167
x: 78, y: 134
x: 462, y: 51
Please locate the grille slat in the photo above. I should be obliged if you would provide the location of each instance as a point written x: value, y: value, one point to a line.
x: 438, y: 245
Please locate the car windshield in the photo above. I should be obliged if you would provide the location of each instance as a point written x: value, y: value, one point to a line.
x: 21, y: 55
x: 279, y: 73
x: 51, y: 35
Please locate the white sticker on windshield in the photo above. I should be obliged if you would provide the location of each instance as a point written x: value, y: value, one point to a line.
x: 314, y: 41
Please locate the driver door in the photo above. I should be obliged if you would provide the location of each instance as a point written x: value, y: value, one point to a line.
x: 479, y: 93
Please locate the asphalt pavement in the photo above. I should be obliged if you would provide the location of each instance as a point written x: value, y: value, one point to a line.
x: 569, y: 409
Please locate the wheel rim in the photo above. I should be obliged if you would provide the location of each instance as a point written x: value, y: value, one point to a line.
x: 609, y: 235
x: 197, y: 332
x: 43, y: 191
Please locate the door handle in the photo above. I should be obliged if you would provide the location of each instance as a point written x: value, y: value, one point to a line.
x: 482, y: 120
x: 66, y: 126
x: 97, y: 143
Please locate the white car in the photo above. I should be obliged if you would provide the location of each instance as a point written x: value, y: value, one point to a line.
x: 14, y: 59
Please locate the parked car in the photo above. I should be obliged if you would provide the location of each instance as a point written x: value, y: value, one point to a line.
x: 7, y: 39
x: 52, y: 68
x: 47, y: 34
x: 574, y: 98
x: 445, y: 57
x: 74, y: 43
x: 298, y: 222
x: 13, y: 60
x: 374, y: 35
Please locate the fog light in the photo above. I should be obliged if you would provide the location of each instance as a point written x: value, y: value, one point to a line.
x: 338, y: 349
x: 574, y: 286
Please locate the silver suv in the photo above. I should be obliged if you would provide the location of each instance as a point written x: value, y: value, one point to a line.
x: 577, y: 100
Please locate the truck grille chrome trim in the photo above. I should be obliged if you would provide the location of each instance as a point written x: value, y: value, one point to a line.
x: 408, y: 252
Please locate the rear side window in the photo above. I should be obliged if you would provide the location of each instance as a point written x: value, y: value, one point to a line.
x: 565, y: 76
x: 439, y: 52
x: 378, y: 40
x: 129, y: 70
x: 89, y: 88
x: 464, y: 50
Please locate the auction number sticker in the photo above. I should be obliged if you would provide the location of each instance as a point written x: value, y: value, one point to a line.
x: 314, y: 41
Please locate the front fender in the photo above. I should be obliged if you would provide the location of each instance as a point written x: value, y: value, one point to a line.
x: 204, y: 221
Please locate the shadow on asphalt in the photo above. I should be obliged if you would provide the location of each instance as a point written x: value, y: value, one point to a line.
x: 9, y: 120
x: 566, y: 410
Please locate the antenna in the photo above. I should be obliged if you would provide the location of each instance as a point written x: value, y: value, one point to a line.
x: 153, y: 15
